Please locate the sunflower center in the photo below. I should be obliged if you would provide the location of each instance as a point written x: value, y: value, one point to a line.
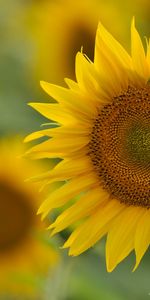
x: 138, y: 143
x: 120, y: 147
x: 16, y: 217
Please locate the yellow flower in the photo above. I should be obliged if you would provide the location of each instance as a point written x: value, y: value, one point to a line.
x: 24, y: 257
x: 103, y: 139
x: 60, y: 29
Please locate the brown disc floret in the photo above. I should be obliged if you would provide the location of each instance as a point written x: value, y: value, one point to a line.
x: 120, y: 146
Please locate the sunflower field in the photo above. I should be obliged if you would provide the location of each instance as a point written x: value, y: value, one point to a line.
x: 74, y: 150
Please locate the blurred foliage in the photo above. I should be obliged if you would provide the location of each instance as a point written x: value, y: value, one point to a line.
x: 21, y: 23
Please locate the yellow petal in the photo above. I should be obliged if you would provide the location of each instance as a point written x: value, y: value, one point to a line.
x: 66, y: 192
x: 65, y: 131
x: 66, y: 169
x: 148, y: 55
x: 138, y: 53
x: 70, y: 99
x: 120, y: 238
x: 57, y: 147
x: 94, y: 228
x: 88, y: 80
x: 72, y: 84
x: 53, y: 112
x: 82, y: 208
x: 142, y: 236
x: 113, y: 67
x: 36, y: 135
x: 115, y: 47
x: 71, y: 130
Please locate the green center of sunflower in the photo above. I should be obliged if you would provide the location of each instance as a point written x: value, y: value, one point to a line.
x: 138, y: 143
x: 16, y: 217
x: 120, y: 147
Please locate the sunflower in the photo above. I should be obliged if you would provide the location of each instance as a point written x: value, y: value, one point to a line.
x: 21, y: 239
x: 54, y: 52
x: 103, y: 140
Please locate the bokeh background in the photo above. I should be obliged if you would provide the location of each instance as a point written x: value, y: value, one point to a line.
x: 39, y: 40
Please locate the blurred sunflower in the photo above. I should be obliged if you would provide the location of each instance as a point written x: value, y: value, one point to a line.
x: 103, y: 139
x: 21, y: 243
x: 59, y: 29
